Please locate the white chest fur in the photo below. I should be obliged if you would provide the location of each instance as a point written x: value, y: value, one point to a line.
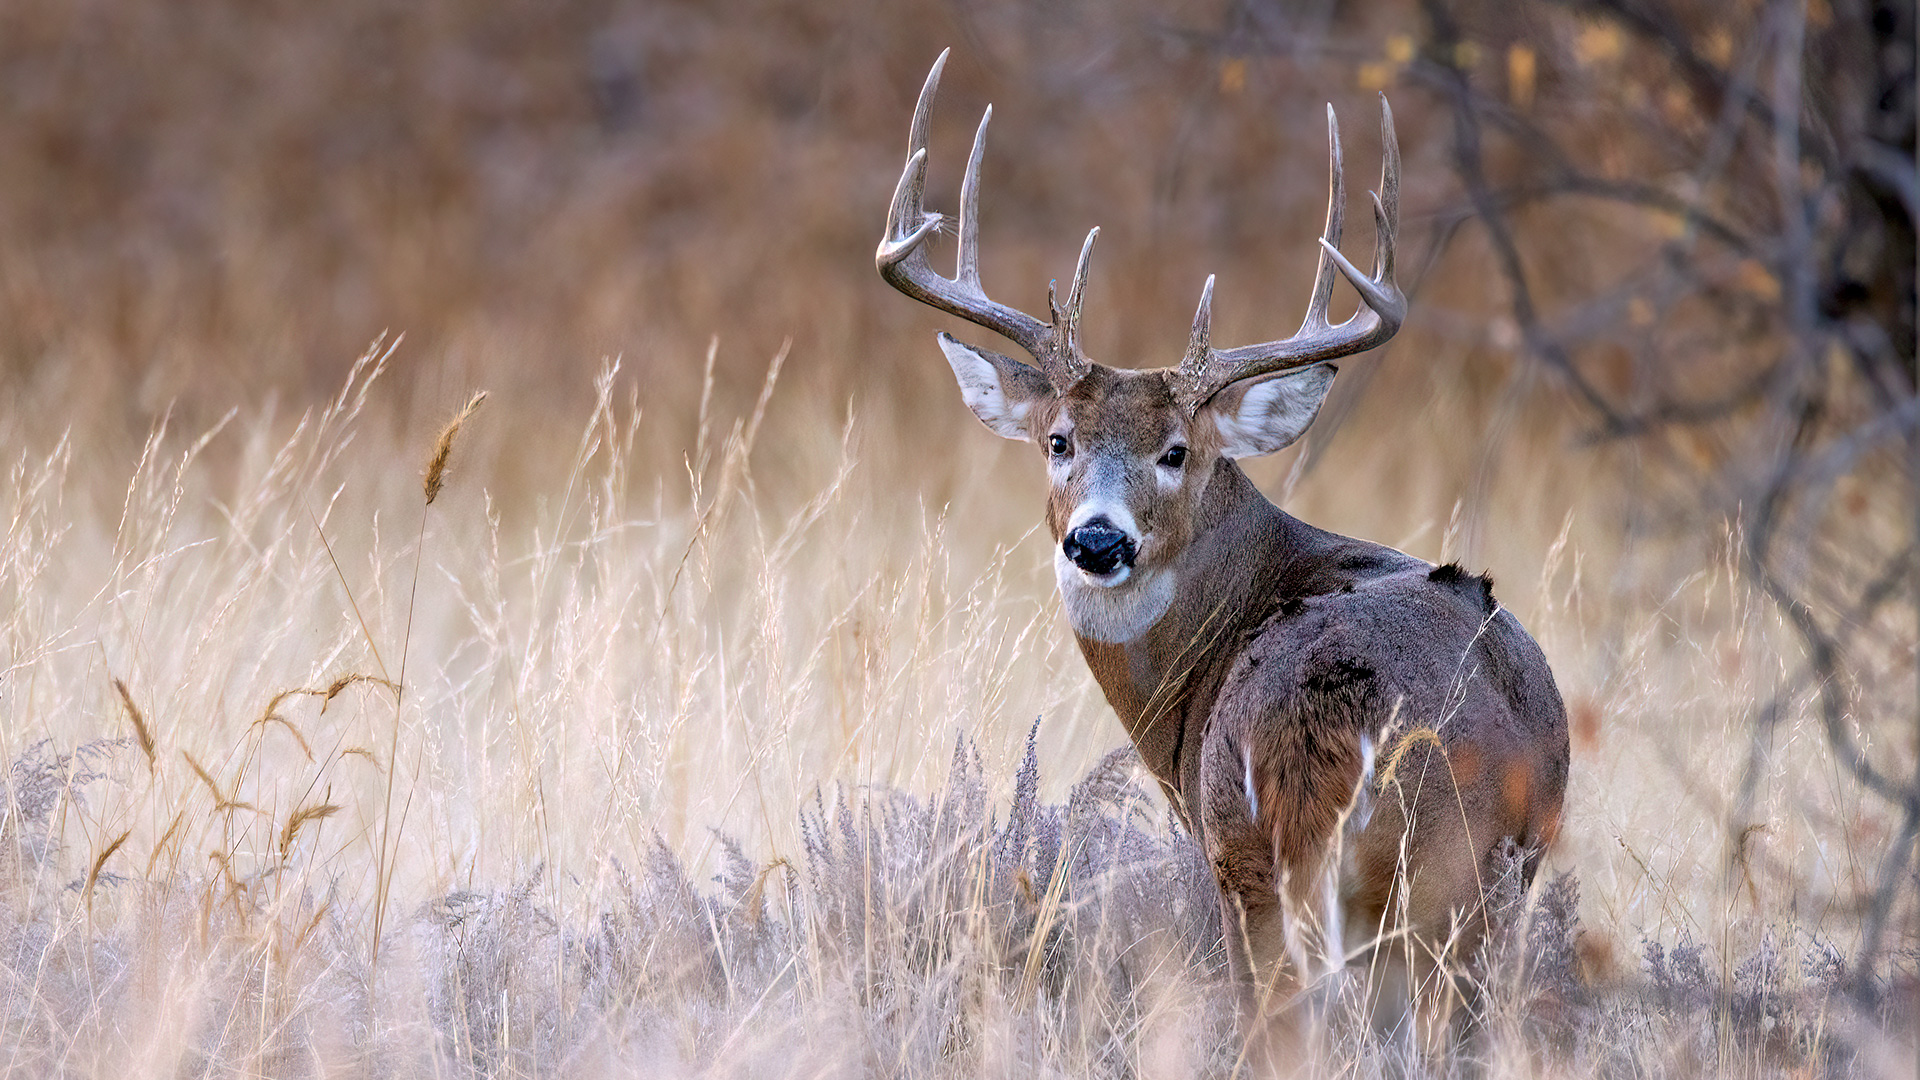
x: 1113, y: 614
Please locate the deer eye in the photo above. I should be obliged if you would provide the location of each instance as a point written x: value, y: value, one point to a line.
x: 1058, y: 445
x: 1175, y: 457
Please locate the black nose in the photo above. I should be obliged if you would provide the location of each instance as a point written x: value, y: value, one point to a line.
x: 1098, y: 548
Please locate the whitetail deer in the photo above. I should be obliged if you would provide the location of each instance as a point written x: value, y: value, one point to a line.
x: 1260, y: 665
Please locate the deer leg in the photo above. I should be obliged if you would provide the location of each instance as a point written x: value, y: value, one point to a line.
x: 1466, y: 1035
x: 1274, y: 1036
x: 1256, y: 952
x: 1241, y: 853
x: 1252, y: 917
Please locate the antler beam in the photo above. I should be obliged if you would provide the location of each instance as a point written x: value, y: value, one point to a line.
x: 1207, y: 370
x: 902, y: 256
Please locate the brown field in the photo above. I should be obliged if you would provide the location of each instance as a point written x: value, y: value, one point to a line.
x: 683, y: 733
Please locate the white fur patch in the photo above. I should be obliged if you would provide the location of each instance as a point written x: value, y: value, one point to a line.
x: 1362, y: 811
x: 1246, y: 780
x: 1334, y: 932
x: 1114, y: 613
x: 1103, y: 503
x: 1120, y: 606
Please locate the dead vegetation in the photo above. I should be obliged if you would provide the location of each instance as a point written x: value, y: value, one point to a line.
x: 692, y: 738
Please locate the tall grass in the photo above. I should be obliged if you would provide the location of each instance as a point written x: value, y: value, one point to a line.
x: 691, y: 730
x: 676, y: 783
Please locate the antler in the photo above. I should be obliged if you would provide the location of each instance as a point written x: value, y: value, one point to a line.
x: 902, y: 256
x: 1206, y: 370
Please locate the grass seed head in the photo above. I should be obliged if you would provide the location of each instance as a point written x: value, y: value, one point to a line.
x: 100, y: 860
x: 338, y: 686
x: 291, y: 831
x: 141, y: 731
x: 443, y: 446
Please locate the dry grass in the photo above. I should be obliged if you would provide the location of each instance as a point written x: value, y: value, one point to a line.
x: 688, y: 732
x: 674, y: 789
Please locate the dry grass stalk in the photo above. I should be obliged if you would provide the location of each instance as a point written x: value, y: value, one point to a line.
x: 443, y: 446
x: 100, y: 860
x: 326, y: 694
x: 141, y: 732
x: 736, y: 459
x: 390, y: 831
x: 951, y: 930
x: 337, y: 686
x: 272, y: 717
x: 320, y: 913
x: 165, y: 841
x: 1048, y: 914
x: 753, y: 903
x: 220, y: 800
x: 1419, y: 736
x: 366, y: 632
x: 291, y: 831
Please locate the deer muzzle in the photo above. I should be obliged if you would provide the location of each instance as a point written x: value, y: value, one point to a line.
x: 1098, y: 547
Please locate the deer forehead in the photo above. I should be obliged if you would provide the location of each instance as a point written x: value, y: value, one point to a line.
x: 1130, y: 412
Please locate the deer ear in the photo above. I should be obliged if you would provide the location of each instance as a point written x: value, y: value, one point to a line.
x: 1260, y: 416
x: 1001, y: 391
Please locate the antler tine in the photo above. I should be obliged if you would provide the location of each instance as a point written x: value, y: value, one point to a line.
x: 1379, y: 291
x: 1200, y: 342
x: 1067, y: 325
x: 901, y: 242
x: 901, y: 257
x: 1204, y: 374
x: 1386, y: 204
x: 923, y: 108
x: 1331, y: 233
x: 906, y: 211
x: 968, y: 272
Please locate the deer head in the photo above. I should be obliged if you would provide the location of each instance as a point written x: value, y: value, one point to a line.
x: 1131, y: 454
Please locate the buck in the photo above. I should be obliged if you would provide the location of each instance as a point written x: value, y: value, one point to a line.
x: 1355, y: 736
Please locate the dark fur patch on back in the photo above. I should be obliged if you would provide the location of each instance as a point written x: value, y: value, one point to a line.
x: 1291, y: 606
x: 1454, y: 574
x: 1347, y: 674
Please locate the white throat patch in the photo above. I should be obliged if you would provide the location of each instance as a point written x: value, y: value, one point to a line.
x: 1112, y: 614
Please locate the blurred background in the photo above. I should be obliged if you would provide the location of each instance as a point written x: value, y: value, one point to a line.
x: 1659, y: 374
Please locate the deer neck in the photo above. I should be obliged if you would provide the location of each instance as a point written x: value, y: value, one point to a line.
x: 1162, y: 679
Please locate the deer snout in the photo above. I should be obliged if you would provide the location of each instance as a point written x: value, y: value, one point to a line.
x: 1098, y: 547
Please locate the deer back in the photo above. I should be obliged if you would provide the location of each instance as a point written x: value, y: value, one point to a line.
x: 1419, y: 668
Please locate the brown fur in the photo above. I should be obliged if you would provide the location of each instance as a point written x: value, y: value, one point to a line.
x: 1284, y: 646
x: 1127, y: 420
x: 1256, y: 661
